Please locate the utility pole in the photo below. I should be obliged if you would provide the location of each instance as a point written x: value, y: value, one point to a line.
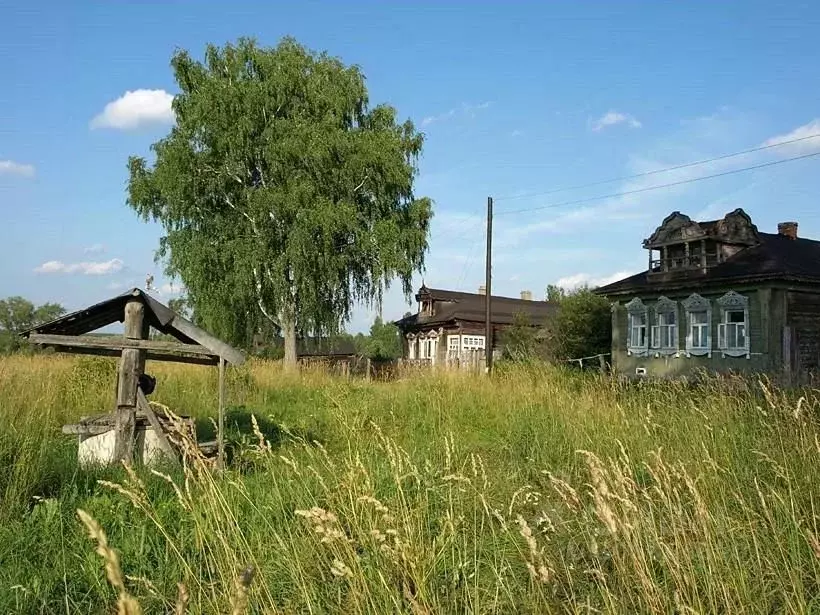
x: 488, y: 324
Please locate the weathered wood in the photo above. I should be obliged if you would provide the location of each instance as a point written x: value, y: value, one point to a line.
x: 117, y: 344
x: 85, y: 430
x: 150, y: 355
x: 368, y: 367
x: 216, y: 346
x: 164, y: 444
x: 220, y: 436
x: 132, y: 365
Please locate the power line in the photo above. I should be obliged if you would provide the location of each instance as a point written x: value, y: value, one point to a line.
x: 657, y: 171
x: 771, y: 163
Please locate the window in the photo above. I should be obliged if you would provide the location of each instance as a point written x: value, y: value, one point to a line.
x: 472, y: 342
x: 665, y: 330
x: 733, y: 328
x: 637, y: 330
x: 428, y: 349
x: 453, y: 346
x: 698, y: 322
x: 637, y: 319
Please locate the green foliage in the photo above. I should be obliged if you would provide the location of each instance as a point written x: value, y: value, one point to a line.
x: 18, y: 314
x: 555, y: 293
x: 521, y: 341
x: 283, y: 195
x: 384, y: 341
x: 182, y: 306
x: 582, y: 327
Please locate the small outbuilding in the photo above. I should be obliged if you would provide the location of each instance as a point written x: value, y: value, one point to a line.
x: 133, y: 427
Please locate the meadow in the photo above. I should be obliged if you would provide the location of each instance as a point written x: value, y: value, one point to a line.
x: 536, y: 491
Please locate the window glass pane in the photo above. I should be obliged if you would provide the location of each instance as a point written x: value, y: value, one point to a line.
x: 698, y: 318
x: 735, y: 316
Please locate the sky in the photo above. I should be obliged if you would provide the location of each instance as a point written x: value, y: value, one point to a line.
x: 521, y: 101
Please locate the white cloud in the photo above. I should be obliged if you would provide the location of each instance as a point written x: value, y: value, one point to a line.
x: 580, y: 279
x: 135, y: 109
x: 467, y: 109
x: 169, y: 289
x: 86, y: 268
x: 9, y: 167
x: 96, y: 248
x: 517, y: 133
x: 612, y: 118
x: 806, y: 146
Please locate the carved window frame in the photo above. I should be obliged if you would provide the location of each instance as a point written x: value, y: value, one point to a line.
x: 734, y: 302
x: 693, y: 304
x: 664, y: 306
x: 634, y: 308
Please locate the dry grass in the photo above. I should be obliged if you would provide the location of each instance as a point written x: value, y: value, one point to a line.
x: 538, y: 491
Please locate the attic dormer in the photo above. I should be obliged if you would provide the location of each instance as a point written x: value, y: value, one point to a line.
x: 681, y: 243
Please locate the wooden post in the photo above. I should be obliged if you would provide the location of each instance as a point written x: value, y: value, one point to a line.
x: 488, y: 288
x: 368, y: 369
x: 220, y: 436
x: 132, y: 365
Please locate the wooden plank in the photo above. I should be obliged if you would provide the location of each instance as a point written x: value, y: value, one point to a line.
x: 149, y: 355
x: 118, y: 343
x: 164, y: 444
x: 216, y: 346
x: 220, y: 436
x: 86, y: 430
x: 132, y: 365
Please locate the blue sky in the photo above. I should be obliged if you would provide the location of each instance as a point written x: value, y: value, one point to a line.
x: 515, y: 100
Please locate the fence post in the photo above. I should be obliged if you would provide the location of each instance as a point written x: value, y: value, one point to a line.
x: 367, y: 367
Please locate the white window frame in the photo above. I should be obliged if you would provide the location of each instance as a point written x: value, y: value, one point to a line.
x: 733, y: 302
x: 453, y: 347
x: 634, y: 309
x: 664, y: 331
x: 695, y: 304
x: 472, y: 342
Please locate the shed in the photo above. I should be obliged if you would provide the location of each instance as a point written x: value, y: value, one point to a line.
x: 139, y: 312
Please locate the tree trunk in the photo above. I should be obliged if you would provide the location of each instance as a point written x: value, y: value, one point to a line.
x: 289, y: 334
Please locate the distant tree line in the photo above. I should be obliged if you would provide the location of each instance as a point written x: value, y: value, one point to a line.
x: 18, y: 314
x: 381, y: 343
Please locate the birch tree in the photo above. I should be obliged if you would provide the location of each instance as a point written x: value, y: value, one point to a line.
x: 283, y: 195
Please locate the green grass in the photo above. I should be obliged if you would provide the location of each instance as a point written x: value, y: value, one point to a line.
x: 535, y: 491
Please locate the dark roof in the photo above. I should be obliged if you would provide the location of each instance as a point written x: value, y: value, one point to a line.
x: 453, y: 306
x: 158, y: 315
x: 324, y: 347
x: 775, y: 258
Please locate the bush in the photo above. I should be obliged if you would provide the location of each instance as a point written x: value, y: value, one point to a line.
x: 581, y: 328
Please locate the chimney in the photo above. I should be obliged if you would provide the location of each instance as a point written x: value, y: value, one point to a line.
x: 787, y: 229
x: 526, y: 295
x: 482, y: 290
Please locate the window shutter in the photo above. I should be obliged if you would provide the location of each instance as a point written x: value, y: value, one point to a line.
x: 656, y: 336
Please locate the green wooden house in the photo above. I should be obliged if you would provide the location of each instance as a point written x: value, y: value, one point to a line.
x: 722, y: 296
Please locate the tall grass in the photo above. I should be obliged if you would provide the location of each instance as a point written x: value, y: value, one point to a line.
x: 536, y: 491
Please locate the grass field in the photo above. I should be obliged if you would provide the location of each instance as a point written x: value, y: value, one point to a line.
x: 538, y: 491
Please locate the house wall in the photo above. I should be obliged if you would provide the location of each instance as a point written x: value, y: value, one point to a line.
x: 803, y: 317
x: 767, y: 309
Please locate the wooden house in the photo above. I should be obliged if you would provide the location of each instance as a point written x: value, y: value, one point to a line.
x: 719, y: 295
x: 449, y: 326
